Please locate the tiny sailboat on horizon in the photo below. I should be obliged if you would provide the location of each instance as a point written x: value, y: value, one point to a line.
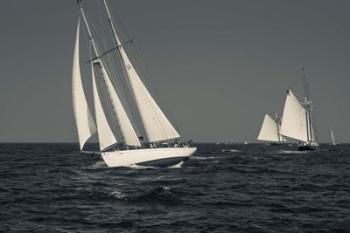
x: 333, y: 143
x: 125, y: 147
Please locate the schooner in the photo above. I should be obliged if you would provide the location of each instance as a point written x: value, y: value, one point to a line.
x: 121, y: 145
x: 297, y: 122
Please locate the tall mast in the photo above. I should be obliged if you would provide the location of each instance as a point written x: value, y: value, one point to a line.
x: 278, y: 126
x: 87, y: 28
x: 308, y: 107
x: 116, y: 38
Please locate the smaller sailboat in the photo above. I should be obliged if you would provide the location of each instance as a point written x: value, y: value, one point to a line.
x: 297, y: 121
x: 270, y: 131
x: 333, y: 139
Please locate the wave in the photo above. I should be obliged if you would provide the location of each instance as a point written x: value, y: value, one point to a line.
x: 235, y: 151
x: 118, y: 195
x: 293, y: 152
x: 158, y: 195
x: 161, y: 195
x: 202, y: 157
x: 98, y: 165
x: 179, y: 165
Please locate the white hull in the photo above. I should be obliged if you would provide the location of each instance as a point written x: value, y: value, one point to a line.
x: 149, y: 156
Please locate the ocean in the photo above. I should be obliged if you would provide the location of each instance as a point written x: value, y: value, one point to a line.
x: 223, y: 188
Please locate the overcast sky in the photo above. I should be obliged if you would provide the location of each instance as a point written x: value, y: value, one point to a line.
x: 215, y: 67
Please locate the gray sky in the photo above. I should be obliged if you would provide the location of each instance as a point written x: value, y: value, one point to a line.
x: 215, y: 67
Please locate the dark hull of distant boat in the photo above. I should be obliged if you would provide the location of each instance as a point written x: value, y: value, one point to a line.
x: 278, y: 143
x: 307, y: 148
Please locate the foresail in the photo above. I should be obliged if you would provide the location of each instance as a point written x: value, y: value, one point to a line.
x: 127, y: 132
x: 156, y: 124
x: 294, y: 123
x: 83, y: 119
x: 269, y: 130
x: 105, y: 133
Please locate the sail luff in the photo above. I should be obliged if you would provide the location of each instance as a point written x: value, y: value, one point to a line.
x: 83, y: 119
x: 155, y: 123
x: 294, y: 119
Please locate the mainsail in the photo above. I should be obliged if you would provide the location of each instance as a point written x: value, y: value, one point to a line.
x: 155, y: 123
x: 269, y: 130
x: 294, y: 120
x: 83, y: 119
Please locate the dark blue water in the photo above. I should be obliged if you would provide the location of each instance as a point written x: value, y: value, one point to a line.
x: 223, y: 188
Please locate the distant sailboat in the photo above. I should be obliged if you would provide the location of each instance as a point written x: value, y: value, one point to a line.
x: 297, y: 122
x: 125, y: 147
x: 333, y: 139
x: 270, y: 131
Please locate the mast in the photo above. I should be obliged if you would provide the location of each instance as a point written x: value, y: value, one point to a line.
x: 116, y: 38
x: 278, y: 127
x: 308, y: 107
x: 126, y: 132
x: 94, y: 48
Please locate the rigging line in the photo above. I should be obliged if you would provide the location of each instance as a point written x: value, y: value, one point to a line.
x: 111, y: 50
x: 121, y: 24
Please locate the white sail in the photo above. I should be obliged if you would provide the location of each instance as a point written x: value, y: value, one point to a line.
x: 127, y: 132
x: 333, y: 139
x: 294, y: 119
x: 269, y: 130
x: 83, y: 119
x: 156, y: 124
x: 105, y: 133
